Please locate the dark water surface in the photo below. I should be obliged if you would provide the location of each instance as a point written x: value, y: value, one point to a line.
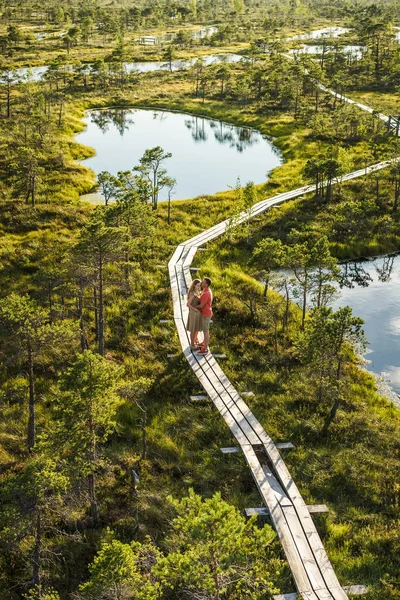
x: 207, y: 155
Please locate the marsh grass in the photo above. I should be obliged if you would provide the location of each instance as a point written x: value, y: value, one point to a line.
x: 355, y: 470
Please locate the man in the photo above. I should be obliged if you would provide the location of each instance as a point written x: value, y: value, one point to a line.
x: 205, y: 308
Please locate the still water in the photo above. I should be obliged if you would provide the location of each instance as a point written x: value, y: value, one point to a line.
x: 354, y: 51
x: 372, y: 290
x: 331, y: 32
x: 207, y: 155
x: 37, y: 73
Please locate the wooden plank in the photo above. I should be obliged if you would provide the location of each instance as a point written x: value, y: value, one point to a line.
x: 199, y: 398
x: 317, y: 508
x: 278, y: 491
x: 285, y: 597
x: 240, y: 404
x: 303, y: 548
x: 208, y: 364
x: 176, y: 255
x: 338, y: 593
x: 165, y: 321
x: 355, y: 589
x: 260, y: 512
x: 284, y: 445
x: 247, y: 394
x: 219, y: 355
x: 214, y: 396
x: 307, y: 595
x: 324, y: 594
x: 230, y: 450
x: 279, y: 521
x: 311, y: 507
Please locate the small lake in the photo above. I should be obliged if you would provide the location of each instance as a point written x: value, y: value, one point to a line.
x: 207, y: 155
x: 354, y: 51
x: 372, y: 289
x: 37, y: 73
x: 329, y: 32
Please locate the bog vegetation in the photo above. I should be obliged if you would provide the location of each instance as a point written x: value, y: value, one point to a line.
x: 112, y: 483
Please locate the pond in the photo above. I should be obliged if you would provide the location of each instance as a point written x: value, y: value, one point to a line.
x: 372, y: 289
x: 354, y: 51
x: 331, y: 32
x: 37, y: 73
x: 207, y: 155
x: 176, y: 65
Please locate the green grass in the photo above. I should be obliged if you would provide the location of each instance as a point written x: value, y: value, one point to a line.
x: 355, y: 470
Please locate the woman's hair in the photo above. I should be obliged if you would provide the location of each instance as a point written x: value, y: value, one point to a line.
x: 191, y: 289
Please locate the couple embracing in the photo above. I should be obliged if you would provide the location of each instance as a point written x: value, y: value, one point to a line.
x: 199, y: 302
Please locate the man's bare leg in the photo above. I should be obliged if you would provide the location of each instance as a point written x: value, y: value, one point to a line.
x: 206, y: 339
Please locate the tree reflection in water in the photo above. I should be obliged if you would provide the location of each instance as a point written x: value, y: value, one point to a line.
x: 236, y: 137
x: 385, y: 270
x: 354, y: 274
x: 197, y: 127
x: 119, y: 117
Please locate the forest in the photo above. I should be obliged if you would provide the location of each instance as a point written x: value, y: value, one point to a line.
x: 113, y: 483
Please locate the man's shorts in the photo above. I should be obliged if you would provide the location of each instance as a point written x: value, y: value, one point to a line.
x: 205, y: 323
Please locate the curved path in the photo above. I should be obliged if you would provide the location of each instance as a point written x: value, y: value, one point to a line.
x: 312, y: 571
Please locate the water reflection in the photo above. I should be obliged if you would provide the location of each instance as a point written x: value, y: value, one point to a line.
x: 239, y: 138
x: 329, y: 32
x: 351, y: 51
x: 38, y: 73
x: 372, y: 289
x: 207, y: 155
x: 120, y: 118
x: 353, y: 274
x: 384, y: 271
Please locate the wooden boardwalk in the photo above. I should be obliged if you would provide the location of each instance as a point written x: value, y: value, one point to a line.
x: 391, y: 122
x: 312, y: 571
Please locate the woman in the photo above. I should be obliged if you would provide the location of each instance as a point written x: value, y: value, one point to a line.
x: 194, y: 324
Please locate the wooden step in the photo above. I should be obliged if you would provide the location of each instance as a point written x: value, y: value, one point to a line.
x: 231, y: 450
x: 236, y: 449
x: 349, y: 589
x: 264, y: 512
x: 317, y: 508
x: 355, y: 590
x: 284, y: 445
x: 260, y: 512
x: 199, y: 398
x: 247, y: 394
